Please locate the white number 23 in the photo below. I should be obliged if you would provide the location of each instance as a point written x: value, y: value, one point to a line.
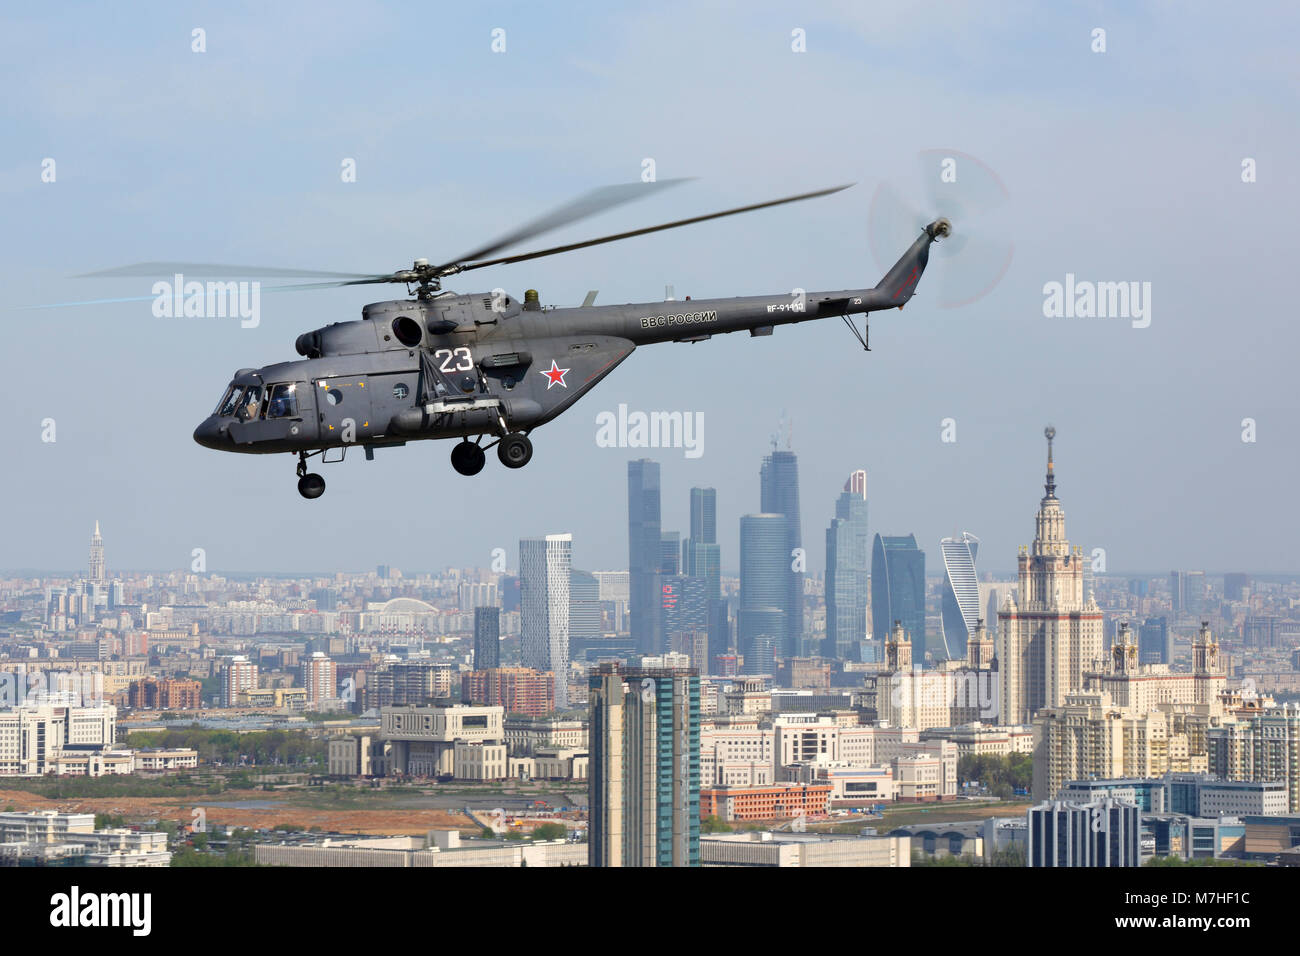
x: 465, y: 363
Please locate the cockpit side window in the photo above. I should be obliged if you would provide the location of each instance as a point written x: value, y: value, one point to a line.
x: 230, y: 401
x: 283, y: 403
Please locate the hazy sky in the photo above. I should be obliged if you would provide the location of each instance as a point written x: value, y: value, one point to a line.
x: 1121, y: 166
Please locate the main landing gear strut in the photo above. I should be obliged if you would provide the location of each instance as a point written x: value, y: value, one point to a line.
x: 310, y: 484
x: 514, y: 450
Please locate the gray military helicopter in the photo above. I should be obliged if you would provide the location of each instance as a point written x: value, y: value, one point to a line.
x: 485, y: 367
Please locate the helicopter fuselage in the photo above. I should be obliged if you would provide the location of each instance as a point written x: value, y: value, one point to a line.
x: 458, y: 366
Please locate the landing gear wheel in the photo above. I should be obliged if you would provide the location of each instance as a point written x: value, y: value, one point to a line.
x: 311, y: 485
x: 515, y: 450
x: 467, y: 458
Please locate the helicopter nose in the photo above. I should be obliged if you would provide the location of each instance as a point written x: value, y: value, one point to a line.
x: 209, y: 434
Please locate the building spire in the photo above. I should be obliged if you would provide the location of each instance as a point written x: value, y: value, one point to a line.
x: 1050, y: 432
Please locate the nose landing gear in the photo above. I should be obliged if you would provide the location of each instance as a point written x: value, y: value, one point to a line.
x: 310, y: 485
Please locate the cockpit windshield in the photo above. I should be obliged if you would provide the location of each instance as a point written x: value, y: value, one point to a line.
x: 245, y: 402
x: 249, y: 403
x: 230, y: 401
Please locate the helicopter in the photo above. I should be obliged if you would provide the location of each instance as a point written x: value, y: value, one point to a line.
x: 485, y: 368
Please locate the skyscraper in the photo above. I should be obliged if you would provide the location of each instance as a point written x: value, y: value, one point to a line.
x: 544, y: 568
x: 1187, y: 593
x: 97, y: 573
x: 704, y: 515
x: 586, y: 617
x: 898, y: 590
x: 644, y: 771
x: 700, y: 552
x: 487, y: 638
x: 1236, y: 586
x: 779, y: 480
x: 702, y: 558
x: 685, y: 604
x: 670, y: 552
x: 961, y: 593
x: 1154, y: 645
x: 1049, y: 634
x: 764, y: 576
x: 848, y: 550
x: 645, y: 558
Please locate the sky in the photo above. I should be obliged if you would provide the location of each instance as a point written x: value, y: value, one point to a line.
x: 1117, y: 166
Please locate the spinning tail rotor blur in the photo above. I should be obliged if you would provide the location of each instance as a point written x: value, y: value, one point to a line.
x: 970, y: 262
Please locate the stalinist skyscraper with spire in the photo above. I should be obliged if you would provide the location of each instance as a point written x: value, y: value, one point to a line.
x: 97, y: 572
x: 1050, y: 632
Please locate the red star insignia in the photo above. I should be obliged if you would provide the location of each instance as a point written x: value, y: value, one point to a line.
x: 554, y: 375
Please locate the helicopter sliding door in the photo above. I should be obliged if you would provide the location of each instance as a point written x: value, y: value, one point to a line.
x: 343, y: 409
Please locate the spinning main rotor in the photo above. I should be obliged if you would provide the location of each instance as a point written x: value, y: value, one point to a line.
x: 423, y: 279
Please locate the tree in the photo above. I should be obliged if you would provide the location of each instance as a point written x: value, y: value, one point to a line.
x: 550, y: 831
x: 714, y: 824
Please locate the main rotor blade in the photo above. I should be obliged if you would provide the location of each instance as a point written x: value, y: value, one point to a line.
x: 150, y: 298
x: 211, y: 270
x: 588, y: 204
x: 641, y: 232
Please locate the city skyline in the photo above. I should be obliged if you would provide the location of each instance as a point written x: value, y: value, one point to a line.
x: 990, y: 569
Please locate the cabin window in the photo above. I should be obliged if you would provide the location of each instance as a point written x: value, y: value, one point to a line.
x: 283, y: 403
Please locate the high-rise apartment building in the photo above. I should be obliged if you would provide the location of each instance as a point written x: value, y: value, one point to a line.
x: 644, y: 770
x: 238, y: 675
x: 487, y: 638
x: 410, y: 683
x: 848, y: 551
x: 1050, y: 633
x: 1260, y: 747
x: 520, y: 690
x: 645, y: 557
x: 320, y: 678
x: 544, y: 571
